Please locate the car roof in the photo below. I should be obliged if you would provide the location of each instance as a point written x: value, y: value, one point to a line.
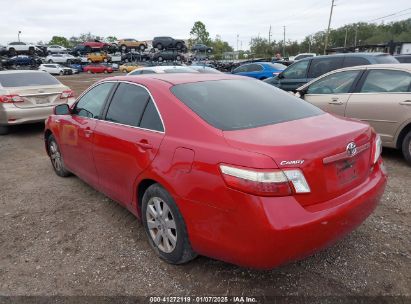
x: 177, y: 78
x: 347, y: 54
x: 20, y: 71
x: 162, y: 68
x: 394, y: 66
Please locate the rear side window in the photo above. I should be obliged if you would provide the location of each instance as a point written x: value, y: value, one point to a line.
x: 182, y: 70
x: 241, y: 104
x: 127, y: 105
x: 386, y: 81
x: 354, y: 61
x: 27, y: 79
x: 385, y: 59
x: 254, y: 68
x: 404, y: 59
x: 151, y: 119
x: 91, y: 104
x: 320, y: 66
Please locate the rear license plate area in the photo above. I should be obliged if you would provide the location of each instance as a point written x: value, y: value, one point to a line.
x: 347, y: 171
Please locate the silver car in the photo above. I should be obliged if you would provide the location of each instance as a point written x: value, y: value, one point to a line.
x: 29, y: 96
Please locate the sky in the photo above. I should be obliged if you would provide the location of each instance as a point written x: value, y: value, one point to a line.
x: 39, y: 20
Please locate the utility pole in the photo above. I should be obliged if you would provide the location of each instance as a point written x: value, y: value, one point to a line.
x: 269, y: 35
x: 356, y: 33
x: 346, y: 34
x: 237, y: 41
x: 284, y: 42
x: 328, y: 29
x: 18, y: 36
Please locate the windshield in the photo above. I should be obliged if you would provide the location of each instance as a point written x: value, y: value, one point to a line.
x: 242, y: 104
x: 27, y: 79
x: 386, y: 59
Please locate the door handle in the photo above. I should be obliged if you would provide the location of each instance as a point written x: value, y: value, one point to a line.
x: 335, y: 101
x: 143, y: 144
x: 88, y: 132
x: 406, y: 103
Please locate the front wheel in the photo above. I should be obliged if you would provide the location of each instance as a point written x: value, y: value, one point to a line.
x: 56, y: 158
x: 165, y: 227
x: 406, y: 147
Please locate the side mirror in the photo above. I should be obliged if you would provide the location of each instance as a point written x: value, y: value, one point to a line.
x: 62, y: 109
x: 280, y: 76
x: 302, y: 92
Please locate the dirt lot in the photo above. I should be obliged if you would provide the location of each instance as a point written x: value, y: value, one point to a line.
x: 61, y: 237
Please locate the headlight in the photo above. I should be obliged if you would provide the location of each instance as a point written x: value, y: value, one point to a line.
x: 377, y: 148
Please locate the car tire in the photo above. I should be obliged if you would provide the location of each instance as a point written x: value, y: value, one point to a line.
x: 159, y: 46
x: 124, y: 71
x: 56, y: 158
x: 12, y: 52
x: 105, y: 71
x: 123, y: 48
x: 61, y: 73
x: 406, y: 147
x: 4, y: 130
x: 178, y: 58
x: 160, y: 58
x: 89, y: 61
x: 165, y: 227
x: 68, y: 61
x: 179, y: 46
x: 89, y: 71
x: 142, y: 47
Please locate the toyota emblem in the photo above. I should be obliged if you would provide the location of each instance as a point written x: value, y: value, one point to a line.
x: 351, y: 149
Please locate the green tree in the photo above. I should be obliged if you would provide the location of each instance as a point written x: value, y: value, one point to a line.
x: 59, y: 40
x: 111, y: 39
x: 199, y: 34
x: 219, y: 47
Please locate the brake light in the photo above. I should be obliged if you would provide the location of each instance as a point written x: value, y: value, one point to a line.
x: 11, y: 98
x: 66, y: 94
x: 274, y: 182
x: 377, y: 148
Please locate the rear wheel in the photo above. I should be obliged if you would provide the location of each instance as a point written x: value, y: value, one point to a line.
x: 56, y: 158
x: 406, y: 147
x: 105, y: 71
x: 142, y: 47
x: 179, y: 46
x: 159, y: 46
x: 160, y: 58
x: 4, y: 130
x: 165, y: 227
x: 50, y: 61
x: 61, y: 73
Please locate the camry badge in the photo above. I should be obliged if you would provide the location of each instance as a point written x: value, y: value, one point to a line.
x: 351, y: 149
x: 292, y: 162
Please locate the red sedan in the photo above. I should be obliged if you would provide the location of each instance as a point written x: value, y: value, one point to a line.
x: 219, y: 165
x: 97, y: 68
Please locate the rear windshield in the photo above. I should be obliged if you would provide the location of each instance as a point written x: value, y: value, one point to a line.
x: 27, y: 79
x: 242, y: 104
x: 385, y: 59
x: 277, y: 66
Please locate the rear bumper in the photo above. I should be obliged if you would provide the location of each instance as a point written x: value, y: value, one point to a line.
x: 267, y: 232
x: 12, y: 115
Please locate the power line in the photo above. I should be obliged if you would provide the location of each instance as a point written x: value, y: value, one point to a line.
x: 392, y: 14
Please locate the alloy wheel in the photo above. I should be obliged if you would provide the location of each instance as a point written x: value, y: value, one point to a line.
x: 55, y: 156
x: 161, y: 225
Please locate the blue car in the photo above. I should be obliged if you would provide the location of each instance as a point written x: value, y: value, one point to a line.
x: 259, y: 70
x: 76, y: 66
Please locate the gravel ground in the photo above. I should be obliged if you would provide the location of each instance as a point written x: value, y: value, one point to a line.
x: 61, y: 237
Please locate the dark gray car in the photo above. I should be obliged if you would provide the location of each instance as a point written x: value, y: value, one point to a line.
x: 307, y: 69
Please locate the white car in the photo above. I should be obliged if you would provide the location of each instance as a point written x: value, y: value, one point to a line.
x: 15, y: 47
x: 61, y: 58
x: 56, y: 49
x: 56, y: 69
x: 29, y: 96
x: 162, y: 69
x: 302, y: 56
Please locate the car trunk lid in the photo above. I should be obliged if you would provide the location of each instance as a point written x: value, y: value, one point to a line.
x: 318, y: 146
x: 39, y: 96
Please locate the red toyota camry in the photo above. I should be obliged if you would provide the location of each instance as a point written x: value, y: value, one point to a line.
x: 220, y: 165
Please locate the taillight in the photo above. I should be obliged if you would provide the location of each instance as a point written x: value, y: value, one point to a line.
x: 67, y: 94
x: 273, y: 182
x: 377, y: 148
x: 11, y: 98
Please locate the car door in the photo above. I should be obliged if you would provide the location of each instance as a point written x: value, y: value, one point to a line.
x: 126, y: 141
x: 383, y: 100
x: 332, y: 92
x: 292, y: 77
x: 241, y: 70
x: 76, y: 132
